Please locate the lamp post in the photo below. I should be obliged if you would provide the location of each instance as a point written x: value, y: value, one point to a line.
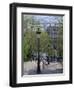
x: 38, y: 46
x: 48, y: 54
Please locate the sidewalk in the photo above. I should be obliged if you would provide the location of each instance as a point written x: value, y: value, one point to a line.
x: 30, y: 68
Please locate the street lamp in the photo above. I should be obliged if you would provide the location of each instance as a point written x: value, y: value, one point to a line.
x: 38, y: 43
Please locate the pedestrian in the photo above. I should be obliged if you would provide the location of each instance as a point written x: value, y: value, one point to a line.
x: 47, y: 59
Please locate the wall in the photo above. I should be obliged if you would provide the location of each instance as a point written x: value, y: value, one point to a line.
x: 4, y: 43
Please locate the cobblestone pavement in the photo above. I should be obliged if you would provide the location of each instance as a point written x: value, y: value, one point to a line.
x: 30, y: 68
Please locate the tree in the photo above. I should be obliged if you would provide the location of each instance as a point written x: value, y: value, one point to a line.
x: 30, y: 26
x: 45, y: 42
x: 29, y: 44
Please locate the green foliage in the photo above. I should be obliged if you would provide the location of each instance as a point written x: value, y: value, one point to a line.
x: 30, y: 43
x: 45, y: 42
x: 30, y: 38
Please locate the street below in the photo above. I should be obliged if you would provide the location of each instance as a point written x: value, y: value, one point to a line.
x: 30, y: 68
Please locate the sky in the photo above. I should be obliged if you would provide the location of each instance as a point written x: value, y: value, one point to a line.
x: 45, y: 20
